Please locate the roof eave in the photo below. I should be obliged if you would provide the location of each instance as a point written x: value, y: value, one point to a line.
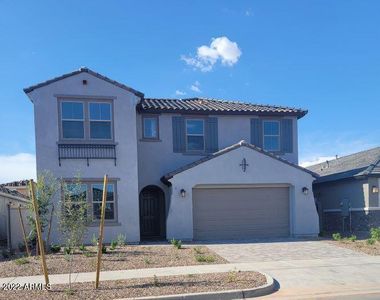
x: 299, y: 115
x: 81, y: 70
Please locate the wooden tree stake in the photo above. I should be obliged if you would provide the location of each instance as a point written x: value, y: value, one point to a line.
x: 23, y: 230
x: 39, y: 232
x: 101, y: 230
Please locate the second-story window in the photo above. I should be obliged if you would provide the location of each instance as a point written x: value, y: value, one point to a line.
x: 150, y: 127
x: 271, y: 135
x: 195, y: 135
x: 72, y: 120
x: 86, y: 120
x: 100, y: 120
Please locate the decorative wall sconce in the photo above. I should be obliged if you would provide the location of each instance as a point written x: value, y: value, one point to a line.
x: 305, y: 190
x: 183, y: 193
x: 375, y: 189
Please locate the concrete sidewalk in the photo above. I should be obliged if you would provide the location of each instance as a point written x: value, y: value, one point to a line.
x: 129, y: 274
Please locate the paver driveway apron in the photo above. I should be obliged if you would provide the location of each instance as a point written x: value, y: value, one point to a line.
x: 306, y: 269
x: 278, y: 250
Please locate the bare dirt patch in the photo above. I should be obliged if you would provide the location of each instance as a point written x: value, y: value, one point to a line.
x: 156, y: 286
x: 359, y: 246
x: 128, y: 257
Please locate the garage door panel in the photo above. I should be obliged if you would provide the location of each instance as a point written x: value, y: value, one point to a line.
x: 240, y: 213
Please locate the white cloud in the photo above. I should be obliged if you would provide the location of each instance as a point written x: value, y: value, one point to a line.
x: 195, y: 87
x: 221, y: 49
x: 180, y: 93
x: 316, y: 160
x: 17, y: 167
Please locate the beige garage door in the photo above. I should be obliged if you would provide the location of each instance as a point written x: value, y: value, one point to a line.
x: 240, y: 213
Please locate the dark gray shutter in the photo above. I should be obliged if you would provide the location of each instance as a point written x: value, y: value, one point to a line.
x: 287, y: 135
x: 178, y: 124
x: 257, y: 132
x: 212, y: 135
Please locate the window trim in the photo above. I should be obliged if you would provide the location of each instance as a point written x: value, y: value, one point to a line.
x: 90, y: 120
x: 272, y: 135
x: 89, y: 183
x: 86, y: 100
x: 144, y: 138
x: 61, y: 120
x: 203, y: 135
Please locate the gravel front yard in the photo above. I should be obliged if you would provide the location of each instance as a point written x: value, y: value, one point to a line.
x: 148, y: 286
x: 359, y: 245
x: 128, y: 257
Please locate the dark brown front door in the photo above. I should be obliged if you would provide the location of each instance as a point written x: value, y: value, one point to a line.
x: 152, y: 213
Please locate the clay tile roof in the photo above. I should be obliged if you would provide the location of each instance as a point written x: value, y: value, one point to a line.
x: 364, y: 163
x: 214, y: 106
x: 5, y: 190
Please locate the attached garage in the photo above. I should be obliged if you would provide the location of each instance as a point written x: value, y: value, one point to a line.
x: 240, y: 192
x: 240, y: 212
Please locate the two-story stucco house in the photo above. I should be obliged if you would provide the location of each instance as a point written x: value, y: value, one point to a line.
x: 192, y: 169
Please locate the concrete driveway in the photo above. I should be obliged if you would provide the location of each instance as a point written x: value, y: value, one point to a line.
x: 308, y: 269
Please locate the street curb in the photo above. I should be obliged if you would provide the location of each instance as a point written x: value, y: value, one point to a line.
x: 221, y: 295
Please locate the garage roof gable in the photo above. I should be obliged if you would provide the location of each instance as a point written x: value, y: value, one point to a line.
x: 242, y: 143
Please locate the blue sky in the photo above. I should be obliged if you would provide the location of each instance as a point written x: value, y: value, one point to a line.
x: 321, y: 55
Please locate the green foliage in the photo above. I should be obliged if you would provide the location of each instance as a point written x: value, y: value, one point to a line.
x: 82, y: 248
x: 336, y: 236
x: 147, y: 261
x: 73, y: 217
x: 205, y: 258
x: 176, y: 243
x: 198, y: 250
x: 21, y: 261
x: 104, y: 249
x: 67, y: 250
x: 232, y: 276
x: 94, y: 240
x: 352, y: 238
x: 121, y: 240
x: 113, y: 245
x: 375, y: 233
x: 45, y: 190
x: 371, y: 241
x: 88, y: 254
x: 55, y: 248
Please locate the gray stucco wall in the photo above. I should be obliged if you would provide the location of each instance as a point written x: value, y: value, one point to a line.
x: 330, y: 194
x: 125, y: 171
x: 364, y: 205
x: 156, y: 158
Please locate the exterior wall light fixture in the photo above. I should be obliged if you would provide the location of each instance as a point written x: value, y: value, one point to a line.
x: 183, y: 193
x: 305, y: 190
x: 375, y: 189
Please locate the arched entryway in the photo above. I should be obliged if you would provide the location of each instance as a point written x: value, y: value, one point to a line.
x: 152, y: 213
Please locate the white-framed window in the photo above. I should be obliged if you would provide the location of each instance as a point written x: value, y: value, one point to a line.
x: 72, y: 120
x: 86, y: 120
x: 195, y: 137
x: 150, y: 127
x: 97, y: 194
x: 271, y: 135
x: 100, y: 118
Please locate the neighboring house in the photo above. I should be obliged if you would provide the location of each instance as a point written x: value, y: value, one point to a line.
x: 347, y: 191
x: 21, y: 186
x: 10, y: 225
x: 177, y: 168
